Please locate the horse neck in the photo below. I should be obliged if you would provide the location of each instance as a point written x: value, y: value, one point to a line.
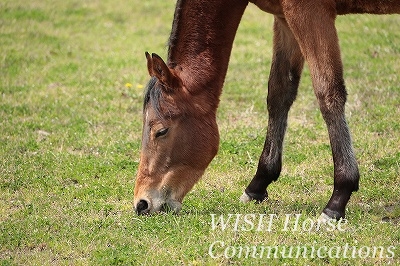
x: 201, y: 42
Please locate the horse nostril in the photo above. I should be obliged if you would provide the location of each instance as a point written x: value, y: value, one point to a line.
x: 142, y: 207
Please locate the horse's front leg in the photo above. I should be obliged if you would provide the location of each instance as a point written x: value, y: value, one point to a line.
x: 316, y: 34
x: 287, y: 65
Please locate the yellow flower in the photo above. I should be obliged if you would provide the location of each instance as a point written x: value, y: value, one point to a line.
x: 128, y: 85
x: 139, y: 86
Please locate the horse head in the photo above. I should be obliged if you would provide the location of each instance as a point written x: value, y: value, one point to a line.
x: 179, y: 140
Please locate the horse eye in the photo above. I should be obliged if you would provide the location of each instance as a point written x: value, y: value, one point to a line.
x: 162, y: 132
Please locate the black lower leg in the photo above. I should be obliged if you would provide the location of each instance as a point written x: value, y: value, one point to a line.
x: 336, y: 206
x: 270, y: 162
x: 341, y: 194
x: 287, y: 65
x: 346, y: 174
x: 344, y: 185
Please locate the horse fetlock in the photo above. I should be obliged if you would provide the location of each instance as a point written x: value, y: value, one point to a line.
x: 337, y: 203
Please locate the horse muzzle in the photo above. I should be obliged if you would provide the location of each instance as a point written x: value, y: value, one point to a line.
x: 154, y: 202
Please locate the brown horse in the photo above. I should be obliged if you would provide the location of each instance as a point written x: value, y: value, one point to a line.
x: 180, y: 134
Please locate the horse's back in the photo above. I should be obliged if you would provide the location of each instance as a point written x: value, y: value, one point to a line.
x: 278, y: 7
x: 368, y: 6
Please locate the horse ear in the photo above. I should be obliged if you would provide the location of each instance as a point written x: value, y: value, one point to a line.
x: 160, y: 70
x: 149, y: 64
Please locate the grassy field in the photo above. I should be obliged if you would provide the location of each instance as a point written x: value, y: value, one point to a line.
x: 71, y: 88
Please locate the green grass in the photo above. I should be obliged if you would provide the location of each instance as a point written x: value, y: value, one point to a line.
x: 70, y: 131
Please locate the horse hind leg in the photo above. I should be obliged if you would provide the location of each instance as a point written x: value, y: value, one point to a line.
x: 287, y: 65
x: 320, y: 46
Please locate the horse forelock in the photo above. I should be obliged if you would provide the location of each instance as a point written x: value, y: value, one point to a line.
x: 163, y: 103
x: 153, y: 96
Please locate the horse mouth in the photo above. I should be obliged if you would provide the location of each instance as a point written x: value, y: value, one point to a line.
x: 168, y: 208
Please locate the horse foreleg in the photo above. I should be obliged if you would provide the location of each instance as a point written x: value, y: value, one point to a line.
x: 287, y: 65
x: 317, y: 37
